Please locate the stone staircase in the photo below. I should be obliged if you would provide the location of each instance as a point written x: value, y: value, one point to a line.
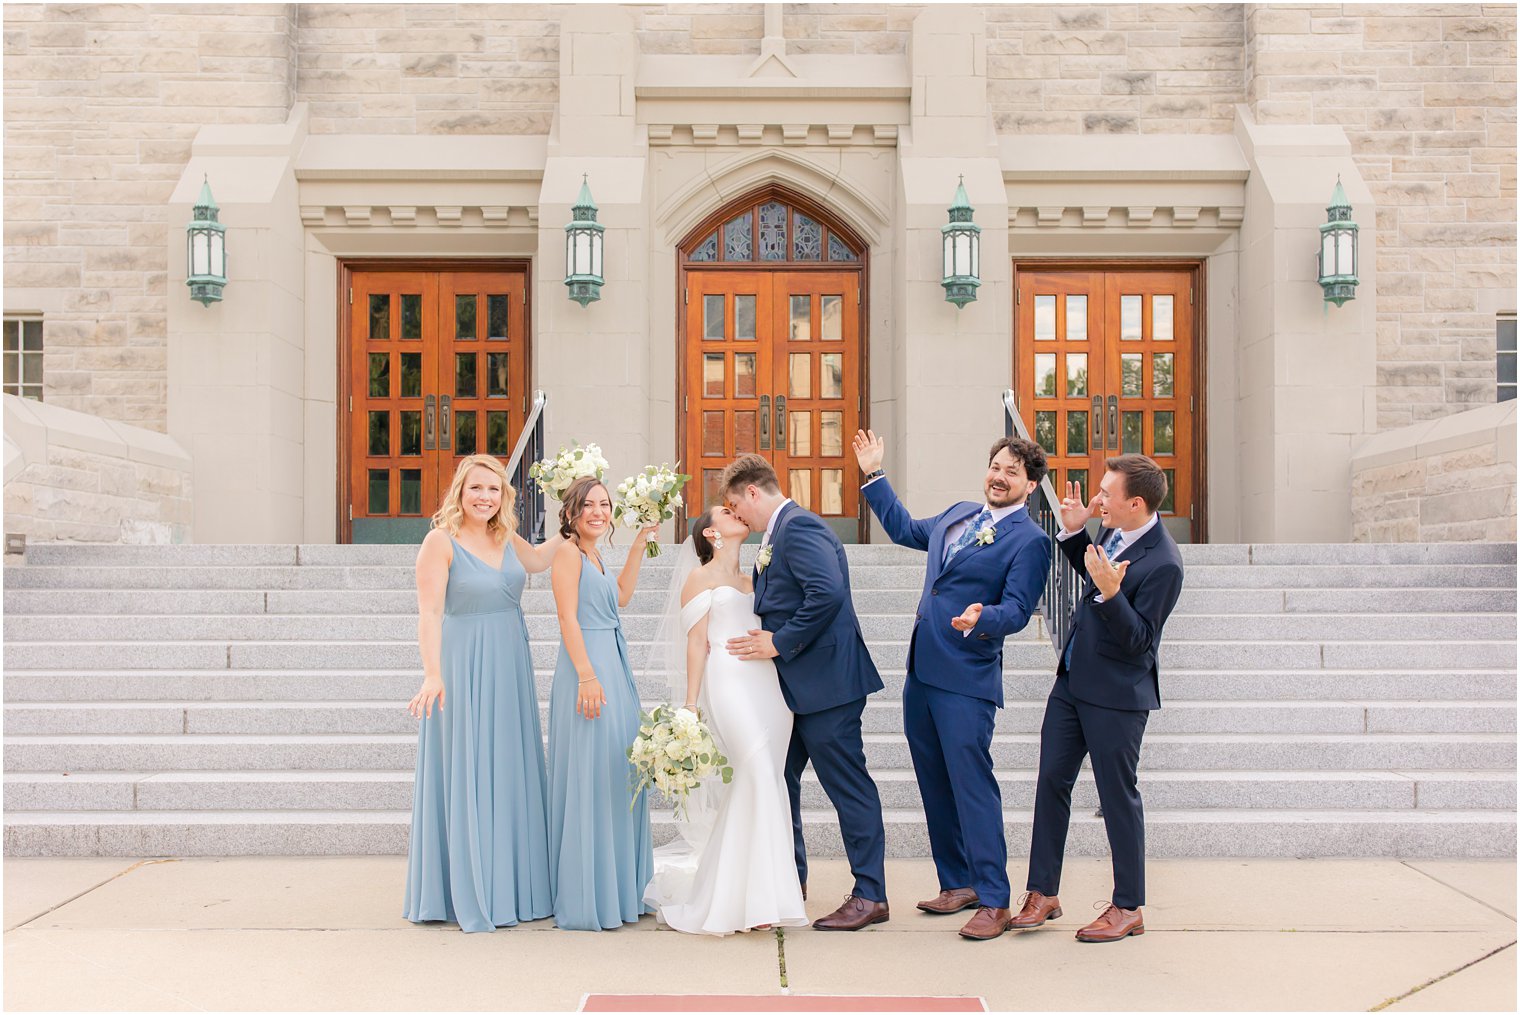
x: 1343, y: 700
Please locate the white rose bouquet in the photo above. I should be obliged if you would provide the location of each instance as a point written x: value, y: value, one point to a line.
x: 554, y: 475
x: 674, y: 751
x: 648, y: 498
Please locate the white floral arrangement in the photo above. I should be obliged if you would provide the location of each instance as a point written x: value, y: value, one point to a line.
x: 986, y: 534
x: 554, y: 475
x: 763, y: 559
x: 648, y: 498
x: 675, y: 752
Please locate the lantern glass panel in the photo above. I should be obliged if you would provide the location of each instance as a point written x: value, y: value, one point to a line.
x: 596, y: 254
x: 1345, y: 252
x: 1327, y: 255
x: 218, y: 256
x: 949, y: 255
x: 200, y: 251
x: 976, y: 254
x: 963, y: 254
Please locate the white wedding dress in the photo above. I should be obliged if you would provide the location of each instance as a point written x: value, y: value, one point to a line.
x: 742, y: 873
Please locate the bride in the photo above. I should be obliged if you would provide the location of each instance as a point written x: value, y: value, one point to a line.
x: 731, y: 866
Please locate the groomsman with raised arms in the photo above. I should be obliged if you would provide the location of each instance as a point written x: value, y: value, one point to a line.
x: 1107, y: 683
x: 987, y: 564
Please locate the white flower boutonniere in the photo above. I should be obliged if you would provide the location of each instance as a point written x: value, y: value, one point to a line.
x: 763, y: 560
x: 985, y: 535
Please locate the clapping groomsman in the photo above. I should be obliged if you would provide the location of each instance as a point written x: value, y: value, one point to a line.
x: 987, y: 566
x: 1106, y: 686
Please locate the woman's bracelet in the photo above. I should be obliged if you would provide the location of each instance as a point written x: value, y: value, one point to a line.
x: 588, y: 679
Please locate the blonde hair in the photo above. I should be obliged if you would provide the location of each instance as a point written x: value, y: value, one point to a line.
x: 450, y: 513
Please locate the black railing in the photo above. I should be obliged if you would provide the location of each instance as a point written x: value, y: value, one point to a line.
x: 529, y: 449
x: 1064, y: 586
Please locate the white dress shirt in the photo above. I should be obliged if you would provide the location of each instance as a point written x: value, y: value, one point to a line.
x: 770, y: 525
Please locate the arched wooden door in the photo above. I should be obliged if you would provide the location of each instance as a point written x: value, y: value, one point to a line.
x: 772, y: 352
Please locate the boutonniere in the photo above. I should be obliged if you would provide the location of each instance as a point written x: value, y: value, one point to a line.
x: 986, y: 534
x: 764, y: 559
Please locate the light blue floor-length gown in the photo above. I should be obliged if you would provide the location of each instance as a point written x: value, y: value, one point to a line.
x: 479, y: 852
x: 601, y: 850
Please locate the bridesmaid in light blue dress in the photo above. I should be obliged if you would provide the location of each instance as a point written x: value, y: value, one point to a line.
x: 479, y: 851
x: 601, y: 851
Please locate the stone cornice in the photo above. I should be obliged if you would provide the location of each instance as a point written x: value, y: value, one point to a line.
x: 823, y: 135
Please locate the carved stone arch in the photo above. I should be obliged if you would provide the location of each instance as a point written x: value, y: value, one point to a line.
x: 725, y: 184
x: 839, y: 243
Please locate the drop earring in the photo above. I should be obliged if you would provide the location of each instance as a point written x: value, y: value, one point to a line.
x: 718, y: 541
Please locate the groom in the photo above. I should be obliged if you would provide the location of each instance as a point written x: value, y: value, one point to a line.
x: 808, y: 625
x: 986, y: 569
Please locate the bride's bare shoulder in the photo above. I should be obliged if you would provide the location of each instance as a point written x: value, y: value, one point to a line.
x: 698, y: 582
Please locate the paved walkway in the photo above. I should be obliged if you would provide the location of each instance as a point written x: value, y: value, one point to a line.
x: 325, y: 933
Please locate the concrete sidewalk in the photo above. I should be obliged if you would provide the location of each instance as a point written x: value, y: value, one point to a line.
x: 326, y: 933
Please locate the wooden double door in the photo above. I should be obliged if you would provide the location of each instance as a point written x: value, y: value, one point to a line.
x: 772, y: 365
x: 435, y: 368
x: 1105, y: 364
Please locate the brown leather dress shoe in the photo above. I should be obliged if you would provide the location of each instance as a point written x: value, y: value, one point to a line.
x: 1113, y: 924
x: 853, y: 915
x: 951, y: 900
x: 1035, y: 910
x: 987, y: 924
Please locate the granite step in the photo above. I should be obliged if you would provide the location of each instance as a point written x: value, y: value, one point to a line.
x: 392, y: 790
x: 1179, y: 833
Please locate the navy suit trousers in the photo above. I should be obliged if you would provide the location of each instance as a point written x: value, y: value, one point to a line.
x: 1111, y: 736
x: 950, y: 737
x: 831, y: 740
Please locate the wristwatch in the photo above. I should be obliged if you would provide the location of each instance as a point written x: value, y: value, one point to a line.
x: 877, y: 474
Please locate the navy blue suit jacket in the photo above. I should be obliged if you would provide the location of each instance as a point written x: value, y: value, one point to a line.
x: 1005, y: 576
x: 1114, y: 643
x: 803, y: 599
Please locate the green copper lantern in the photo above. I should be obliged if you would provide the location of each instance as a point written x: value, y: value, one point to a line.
x: 207, y: 250
x: 963, y: 251
x: 583, y: 249
x: 1338, y: 250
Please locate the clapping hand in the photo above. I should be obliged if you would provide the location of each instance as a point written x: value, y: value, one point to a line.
x: 1074, y: 512
x: 966, y: 621
x: 869, y: 450
x: 1105, y: 573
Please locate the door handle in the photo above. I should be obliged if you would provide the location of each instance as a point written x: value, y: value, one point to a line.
x: 445, y: 440
x: 1113, y: 422
x: 765, y: 422
x: 781, y: 423
x: 1097, y: 421
x: 429, y: 423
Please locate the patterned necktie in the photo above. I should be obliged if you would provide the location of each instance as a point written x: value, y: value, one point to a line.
x: 964, y: 539
x: 1112, y: 546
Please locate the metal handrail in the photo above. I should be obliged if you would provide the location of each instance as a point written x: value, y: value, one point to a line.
x: 529, y: 448
x: 1063, y: 587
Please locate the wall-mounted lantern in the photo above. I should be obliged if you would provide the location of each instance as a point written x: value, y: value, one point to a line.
x: 963, y: 251
x: 1337, y: 250
x: 207, y: 250
x: 583, y: 249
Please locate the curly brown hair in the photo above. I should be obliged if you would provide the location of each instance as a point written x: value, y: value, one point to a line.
x: 575, y: 502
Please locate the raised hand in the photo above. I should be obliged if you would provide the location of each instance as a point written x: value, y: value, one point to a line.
x: 1074, y: 512
x: 1107, y: 575
x: 869, y: 450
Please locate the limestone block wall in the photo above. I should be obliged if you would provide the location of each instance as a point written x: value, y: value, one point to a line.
x: 1446, y: 480
x: 101, y: 105
x: 429, y: 68
x: 1115, y: 68
x: 74, y: 477
x: 1426, y: 92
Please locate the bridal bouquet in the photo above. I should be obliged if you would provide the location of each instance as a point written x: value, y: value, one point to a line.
x: 649, y: 498
x: 674, y: 751
x: 554, y: 475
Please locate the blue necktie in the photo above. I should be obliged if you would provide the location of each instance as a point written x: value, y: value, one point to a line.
x: 964, y: 539
x: 1110, y: 548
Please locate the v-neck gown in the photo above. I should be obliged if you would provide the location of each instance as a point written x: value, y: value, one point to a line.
x: 479, y: 853
x: 600, y: 846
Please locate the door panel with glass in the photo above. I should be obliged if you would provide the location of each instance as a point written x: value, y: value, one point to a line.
x: 437, y: 369
x: 1104, y: 365
x: 772, y: 367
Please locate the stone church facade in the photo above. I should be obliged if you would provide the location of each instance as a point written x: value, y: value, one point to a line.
x: 395, y: 181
